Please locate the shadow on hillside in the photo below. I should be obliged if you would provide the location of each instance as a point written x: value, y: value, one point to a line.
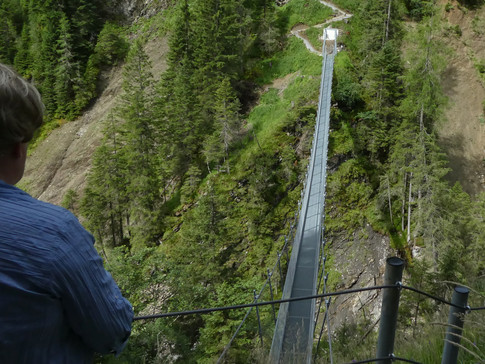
x: 450, y: 80
x: 463, y: 167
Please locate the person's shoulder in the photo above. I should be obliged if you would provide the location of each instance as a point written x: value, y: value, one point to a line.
x: 59, y: 218
x: 44, y: 215
x: 47, y: 212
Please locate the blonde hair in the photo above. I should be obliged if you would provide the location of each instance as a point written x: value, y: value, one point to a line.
x: 21, y: 109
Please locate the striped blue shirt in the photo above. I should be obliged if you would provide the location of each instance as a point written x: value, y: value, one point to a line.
x: 57, y: 302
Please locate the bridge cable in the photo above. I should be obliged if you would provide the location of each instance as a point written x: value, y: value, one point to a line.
x: 330, y: 294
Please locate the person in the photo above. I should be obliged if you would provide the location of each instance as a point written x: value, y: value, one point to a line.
x: 57, y: 302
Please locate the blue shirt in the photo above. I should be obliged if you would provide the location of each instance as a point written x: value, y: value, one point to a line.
x: 57, y: 302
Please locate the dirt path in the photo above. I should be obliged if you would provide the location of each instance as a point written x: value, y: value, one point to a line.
x: 299, y: 29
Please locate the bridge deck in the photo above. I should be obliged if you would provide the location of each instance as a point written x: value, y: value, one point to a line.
x: 293, y: 337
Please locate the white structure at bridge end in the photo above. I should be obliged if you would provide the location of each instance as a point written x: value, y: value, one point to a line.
x: 330, y: 34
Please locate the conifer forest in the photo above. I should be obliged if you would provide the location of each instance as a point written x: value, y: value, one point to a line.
x: 197, y: 168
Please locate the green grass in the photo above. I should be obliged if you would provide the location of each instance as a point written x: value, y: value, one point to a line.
x: 303, y: 87
x: 314, y: 35
x: 43, y: 132
x: 349, y: 5
x: 270, y: 110
x: 431, y: 338
x: 295, y: 57
x: 308, y: 12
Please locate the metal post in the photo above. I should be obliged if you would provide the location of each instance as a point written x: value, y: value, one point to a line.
x: 320, y: 336
x: 390, y: 305
x: 271, y: 292
x: 318, y: 289
x: 256, y: 297
x: 455, y: 325
x: 327, y: 302
x: 279, y: 268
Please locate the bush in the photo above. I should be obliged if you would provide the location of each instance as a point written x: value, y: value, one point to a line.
x: 472, y: 4
x: 112, y: 45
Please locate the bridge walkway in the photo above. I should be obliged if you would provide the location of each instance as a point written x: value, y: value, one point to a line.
x: 293, y: 336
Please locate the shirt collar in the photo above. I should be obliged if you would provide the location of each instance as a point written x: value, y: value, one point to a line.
x: 7, y: 187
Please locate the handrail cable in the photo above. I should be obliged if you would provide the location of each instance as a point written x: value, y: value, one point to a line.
x: 330, y: 294
x: 392, y: 357
x: 228, y: 345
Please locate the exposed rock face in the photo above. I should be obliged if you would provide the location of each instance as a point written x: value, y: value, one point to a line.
x: 361, y: 262
x: 281, y: 2
x: 134, y: 9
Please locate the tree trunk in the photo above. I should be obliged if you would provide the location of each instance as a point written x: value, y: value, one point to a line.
x: 389, y: 200
x: 421, y: 118
x: 409, y: 207
x: 403, y: 206
x: 388, y: 21
x: 113, y: 224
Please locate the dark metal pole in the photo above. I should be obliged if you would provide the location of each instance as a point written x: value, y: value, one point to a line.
x: 455, y: 325
x: 271, y: 292
x: 256, y: 297
x: 279, y: 268
x: 390, y: 305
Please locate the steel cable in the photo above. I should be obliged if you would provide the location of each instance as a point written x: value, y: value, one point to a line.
x: 291, y: 299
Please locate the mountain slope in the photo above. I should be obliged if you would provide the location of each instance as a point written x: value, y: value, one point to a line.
x: 462, y: 136
x: 61, y: 162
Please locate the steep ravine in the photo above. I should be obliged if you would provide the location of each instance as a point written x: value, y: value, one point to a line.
x: 62, y: 161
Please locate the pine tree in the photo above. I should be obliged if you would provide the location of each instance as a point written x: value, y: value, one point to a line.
x: 23, y: 59
x: 67, y: 70
x: 218, y: 41
x: 227, y: 125
x: 179, y: 113
x: 105, y: 203
x: 378, y: 44
x: 8, y: 35
x: 136, y: 113
x: 425, y: 98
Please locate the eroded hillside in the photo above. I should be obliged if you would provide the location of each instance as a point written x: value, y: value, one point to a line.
x: 61, y: 162
x: 462, y: 135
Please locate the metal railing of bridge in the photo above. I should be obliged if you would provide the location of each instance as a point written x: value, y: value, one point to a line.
x: 294, y: 331
x: 298, y: 314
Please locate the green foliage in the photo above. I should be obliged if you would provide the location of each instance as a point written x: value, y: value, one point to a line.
x: 348, y: 5
x: 350, y: 194
x: 456, y: 29
x: 342, y: 140
x: 480, y: 66
x: 352, y: 342
x: 8, y: 35
x: 419, y: 9
x: 292, y: 59
x: 314, y: 35
x: 189, y: 207
x: 478, y: 25
x: 144, y: 284
x: 448, y: 7
x: 472, y: 4
x: 309, y: 12
x: 227, y: 125
x: 70, y: 200
x: 52, y: 45
x: 346, y: 88
x: 112, y: 46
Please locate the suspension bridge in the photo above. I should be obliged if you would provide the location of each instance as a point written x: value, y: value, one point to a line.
x: 294, y: 332
x: 293, y: 336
